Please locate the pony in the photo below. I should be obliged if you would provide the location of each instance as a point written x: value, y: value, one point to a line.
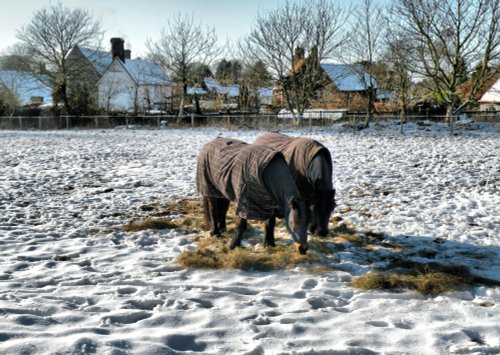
x: 310, y: 164
x: 257, y: 179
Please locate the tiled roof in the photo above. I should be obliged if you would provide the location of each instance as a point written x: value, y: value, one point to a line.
x: 145, y: 72
x: 100, y: 60
x: 348, y: 77
x: 230, y: 90
x: 493, y: 94
x: 26, y: 85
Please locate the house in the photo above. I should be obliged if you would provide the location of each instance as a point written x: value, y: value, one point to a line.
x: 91, y: 63
x: 19, y: 88
x: 216, y: 95
x: 337, y: 86
x: 346, y: 86
x: 132, y: 84
x: 490, y: 100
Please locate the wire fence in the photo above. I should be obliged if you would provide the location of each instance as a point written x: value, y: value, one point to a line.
x: 228, y: 121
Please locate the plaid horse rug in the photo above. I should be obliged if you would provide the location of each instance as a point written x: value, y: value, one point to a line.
x: 232, y: 169
x: 298, y: 153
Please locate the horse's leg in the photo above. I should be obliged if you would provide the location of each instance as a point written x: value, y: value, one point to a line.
x: 222, y: 206
x: 212, y: 214
x: 312, y: 218
x: 269, y: 230
x: 240, y: 229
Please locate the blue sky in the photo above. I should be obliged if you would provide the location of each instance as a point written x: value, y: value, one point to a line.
x: 136, y: 21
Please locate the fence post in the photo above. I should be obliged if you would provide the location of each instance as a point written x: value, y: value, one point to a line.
x: 96, y: 121
x: 67, y: 122
x: 20, y: 123
x: 40, y: 122
x: 192, y: 120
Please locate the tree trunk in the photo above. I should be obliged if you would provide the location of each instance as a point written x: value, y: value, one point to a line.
x: 450, y: 119
x: 401, y: 121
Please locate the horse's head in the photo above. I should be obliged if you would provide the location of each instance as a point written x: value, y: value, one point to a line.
x: 324, y: 204
x: 296, y: 223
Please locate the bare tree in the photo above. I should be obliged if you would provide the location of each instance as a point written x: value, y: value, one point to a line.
x: 449, y: 40
x: 183, y: 43
x: 397, y: 57
x: 282, y: 36
x: 366, y: 48
x: 49, y: 37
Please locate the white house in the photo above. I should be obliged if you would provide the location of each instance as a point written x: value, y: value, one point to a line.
x: 132, y: 84
x: 490, y: 101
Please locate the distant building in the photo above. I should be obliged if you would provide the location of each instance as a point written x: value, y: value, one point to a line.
x: 133, y: 84
x: 216, y: 95
x: 91, y: 63
x: 490, y: 100
x: 346, y: 87
x: 338, y: 86
x: 24, y: 88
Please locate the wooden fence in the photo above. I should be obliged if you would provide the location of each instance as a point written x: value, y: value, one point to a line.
x: 229, y: 121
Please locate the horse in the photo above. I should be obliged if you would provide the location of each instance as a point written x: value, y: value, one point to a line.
x: 310, y: 164
x: 257, y: 179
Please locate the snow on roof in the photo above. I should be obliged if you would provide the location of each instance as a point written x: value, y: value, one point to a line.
x: 385, y: 95
x: 493, y: 94
x: 230, y: 90
x: 26, y: 85
x: 348, y: 77
x: 196, y: 91
x: 265, y: 92
x: 145, y: 72
x: 100, y: 60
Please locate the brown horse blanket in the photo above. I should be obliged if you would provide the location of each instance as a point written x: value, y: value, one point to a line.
x: 298, y: 153
x: 232, y: 169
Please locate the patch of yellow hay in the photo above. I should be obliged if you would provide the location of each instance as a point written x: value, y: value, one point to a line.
x: 150, y: 223
x: 431, y: 283
x: 213, y: 253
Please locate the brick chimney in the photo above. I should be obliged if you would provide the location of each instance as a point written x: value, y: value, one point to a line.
x: 128, y: 53
x: 117, y: 49
x: 298, y: 59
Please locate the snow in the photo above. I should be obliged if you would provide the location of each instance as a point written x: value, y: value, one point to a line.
x: 348, y: 77
x: 71, y: 281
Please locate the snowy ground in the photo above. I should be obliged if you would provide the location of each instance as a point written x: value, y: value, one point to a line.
x: 72, y: 283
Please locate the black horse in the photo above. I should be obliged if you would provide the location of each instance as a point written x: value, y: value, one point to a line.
x: 310, y: 164
x: 258, y: 180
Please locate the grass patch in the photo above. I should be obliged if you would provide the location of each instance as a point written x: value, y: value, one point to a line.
x: 429, y: 280
x: 213, y: 253
x: 150, y: 223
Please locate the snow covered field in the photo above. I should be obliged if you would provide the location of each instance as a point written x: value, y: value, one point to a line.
x: 72, y: 282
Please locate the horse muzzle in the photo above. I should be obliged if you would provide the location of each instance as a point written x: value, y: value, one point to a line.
x: 301, y: 248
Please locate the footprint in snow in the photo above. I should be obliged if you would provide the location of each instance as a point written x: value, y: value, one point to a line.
x: 126, y: 318
x: 145, y: 305
x: 379, y: 324
x: 126, y: 290
x: 309, y: 284
x: 268, y: 303
x: 201, y: 302
x: 181, y: 342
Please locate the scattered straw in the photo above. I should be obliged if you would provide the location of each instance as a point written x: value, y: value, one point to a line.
x: 150, y: 223
x: 431, y: 283
x: 213, y: 253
